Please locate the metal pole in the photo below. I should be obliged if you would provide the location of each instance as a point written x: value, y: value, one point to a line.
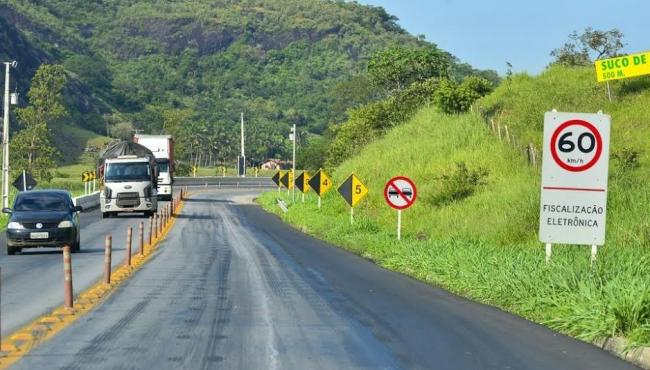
x: 319, y: 200
x: 549, y: 252
x: 594, y: 252
x: 243, y: 156
x: 5, y: 142
x: 351, y: 215
x: 24, y: 181
x: 399, y: 224
x: 609, y: 92
x: 293, y: 191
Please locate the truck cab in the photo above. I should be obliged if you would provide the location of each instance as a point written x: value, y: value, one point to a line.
x: 129, y: 186
x: 165, y: 179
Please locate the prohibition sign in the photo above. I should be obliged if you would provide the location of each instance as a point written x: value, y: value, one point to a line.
x: 566, y: 145
x: 403, y: 190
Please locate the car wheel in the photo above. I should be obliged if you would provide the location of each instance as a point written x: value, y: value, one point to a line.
x: 10, y: 251
x: 76, y: 247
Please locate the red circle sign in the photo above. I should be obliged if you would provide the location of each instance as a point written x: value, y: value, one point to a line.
x: 400, y: 192
x: 576, y: 151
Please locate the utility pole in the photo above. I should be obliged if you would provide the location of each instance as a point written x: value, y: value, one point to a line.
x: 293, y: 137
x: 241, y: 163
x: 5, y: 138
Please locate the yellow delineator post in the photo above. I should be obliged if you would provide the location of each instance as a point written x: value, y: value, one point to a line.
x: 321, y: 183
x: 353, y: 191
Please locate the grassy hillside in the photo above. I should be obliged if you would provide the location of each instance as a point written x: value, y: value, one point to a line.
x: 473, y: 229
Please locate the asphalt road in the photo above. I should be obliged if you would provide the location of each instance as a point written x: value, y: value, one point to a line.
x: 234, y: 288
x: 32, y: 281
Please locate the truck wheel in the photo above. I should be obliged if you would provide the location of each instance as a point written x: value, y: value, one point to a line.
x: 106, y: 215
x: 10, y: 251
x: 76, y: 247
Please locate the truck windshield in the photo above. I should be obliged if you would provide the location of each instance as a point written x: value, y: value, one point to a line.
x: 163, y: 167
x: 117, y: 172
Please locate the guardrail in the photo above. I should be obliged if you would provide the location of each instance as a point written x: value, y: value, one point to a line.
x: 89, y: 201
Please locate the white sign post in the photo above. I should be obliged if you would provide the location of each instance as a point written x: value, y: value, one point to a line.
x: 574, y: 180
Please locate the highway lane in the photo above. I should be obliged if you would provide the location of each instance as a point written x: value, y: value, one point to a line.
x: 233, y: 287
x: 32, y: 282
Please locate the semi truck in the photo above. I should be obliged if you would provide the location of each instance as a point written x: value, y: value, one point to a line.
x: 129, y: 175
x: 162, y: 147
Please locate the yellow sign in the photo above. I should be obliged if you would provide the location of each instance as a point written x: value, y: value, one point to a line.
x: 321, y: 183
x: 88, y: 176
x: 302, y: 182
x: 353, y: 190
x: 287, y: 180
x: 632, y: 65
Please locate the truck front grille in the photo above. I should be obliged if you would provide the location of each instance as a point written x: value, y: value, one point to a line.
x: 128, y: 200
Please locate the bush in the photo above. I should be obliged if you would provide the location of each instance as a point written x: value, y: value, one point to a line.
x: 454, y: 99
x: 460, y: 183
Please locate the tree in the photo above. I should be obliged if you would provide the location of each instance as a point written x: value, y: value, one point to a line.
x: 453, y: 98
x: 579, y: 49
x: 32, y: 148
x: 397, y: 67
x: 122, y: 130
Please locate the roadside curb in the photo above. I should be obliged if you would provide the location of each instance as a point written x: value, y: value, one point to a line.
x: 19, y: 343
x: 620, y: 347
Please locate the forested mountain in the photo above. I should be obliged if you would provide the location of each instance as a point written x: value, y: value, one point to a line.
x: 190, y: 67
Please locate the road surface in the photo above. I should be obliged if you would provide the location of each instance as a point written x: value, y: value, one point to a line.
x: 232, y: 287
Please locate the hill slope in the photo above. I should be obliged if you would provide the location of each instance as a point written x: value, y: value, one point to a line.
x: 474, y: 227
x: 276, y: 60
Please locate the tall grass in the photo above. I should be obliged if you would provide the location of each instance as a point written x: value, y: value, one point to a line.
x: 485, y: 246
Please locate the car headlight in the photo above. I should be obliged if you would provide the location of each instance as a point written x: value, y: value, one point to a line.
x: 15, y: 225
x: 65, y: 224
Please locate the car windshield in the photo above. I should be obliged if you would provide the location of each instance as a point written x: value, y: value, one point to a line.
x: 163, y: 167
x: 41, y: 202
x: 116, y: 172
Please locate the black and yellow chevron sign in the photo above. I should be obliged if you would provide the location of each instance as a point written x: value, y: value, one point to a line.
x: 88, y: 176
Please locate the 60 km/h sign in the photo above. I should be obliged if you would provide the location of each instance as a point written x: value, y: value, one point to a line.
x: 574, y: 178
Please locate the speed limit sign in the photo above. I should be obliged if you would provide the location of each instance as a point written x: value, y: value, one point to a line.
x: 574, y: 178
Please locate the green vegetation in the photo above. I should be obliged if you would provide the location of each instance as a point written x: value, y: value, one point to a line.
x: 474, y: 227
x: 141, y: 63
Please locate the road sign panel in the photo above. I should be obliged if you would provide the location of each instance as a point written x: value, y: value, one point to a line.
x: 353, y: 190
x: 627, y: 66
x: 302, y: 182
x: 287, y: 180
x: 276, y: 178
x: 25, y: 181
x: 575, y: 167
x: 321, y: 183
x: 88, y: 176
x: 400, y: 192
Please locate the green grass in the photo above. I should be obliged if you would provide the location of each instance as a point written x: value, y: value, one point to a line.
x: 485, y: 246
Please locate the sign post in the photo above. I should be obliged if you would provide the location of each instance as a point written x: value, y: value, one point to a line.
x: 287, y: 181
x: 400, y: 193
x: 353, y: 191
x: 574, y: 180
x: 321, y: 183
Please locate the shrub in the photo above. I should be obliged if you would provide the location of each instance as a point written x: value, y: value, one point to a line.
x: 460, y: 183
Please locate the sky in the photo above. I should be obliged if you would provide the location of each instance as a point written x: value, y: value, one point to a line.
x: 487, y: 33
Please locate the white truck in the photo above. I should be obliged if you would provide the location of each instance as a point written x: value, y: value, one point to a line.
x: 129, y: 175
x: 162, y: 147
